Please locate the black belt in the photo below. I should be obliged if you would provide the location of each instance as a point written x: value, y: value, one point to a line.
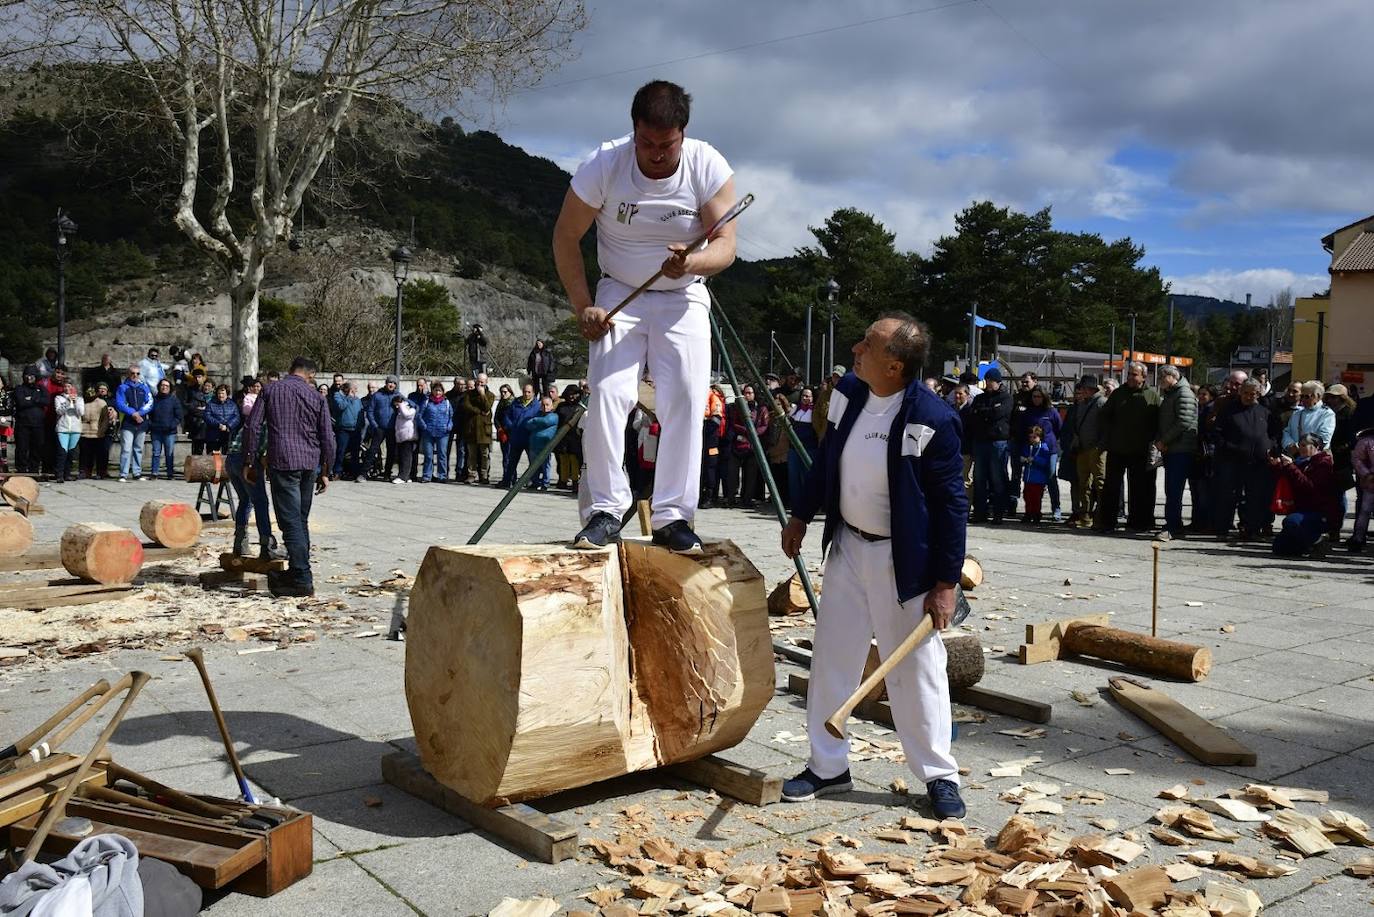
x: 867, y: 536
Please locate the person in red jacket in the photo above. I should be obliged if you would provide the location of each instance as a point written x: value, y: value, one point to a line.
x: 1317, y: 504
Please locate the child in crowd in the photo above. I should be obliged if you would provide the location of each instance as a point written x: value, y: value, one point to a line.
x: 1362, y: 459
x: 1037, y: 463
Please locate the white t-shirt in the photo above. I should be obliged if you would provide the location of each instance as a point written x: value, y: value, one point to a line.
x: 640, y: 217
x: 864, y: 496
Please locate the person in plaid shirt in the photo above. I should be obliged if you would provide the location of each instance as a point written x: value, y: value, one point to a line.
x: 300, y: 453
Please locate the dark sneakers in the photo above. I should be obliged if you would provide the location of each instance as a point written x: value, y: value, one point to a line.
x: 601, y: 530
x: 944, y: 798
x: 282, y: 585
x: 807, y: 786
x: 679, y: 538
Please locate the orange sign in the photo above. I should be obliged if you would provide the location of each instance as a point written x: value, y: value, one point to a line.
x: 1353, y: 377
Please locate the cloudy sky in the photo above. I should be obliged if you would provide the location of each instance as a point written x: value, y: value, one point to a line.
x: 1227, y: 136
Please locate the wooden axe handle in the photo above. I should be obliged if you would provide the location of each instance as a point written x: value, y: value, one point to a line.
x: 198, y: 658
x: 29, y: 741
x: 835, y: 725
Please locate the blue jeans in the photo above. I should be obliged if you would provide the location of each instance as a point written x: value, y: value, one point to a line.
x: 990, y: 478
x: 292, y: 493
x: 1299, y: 533
x: 435, y: 450
x: 163, y: 443
x: 1178, y: 467
x: 346, y: 444
x: 541, y: 477
x: 131, y: 451
x: 251, y: 498
x: 515, y: 449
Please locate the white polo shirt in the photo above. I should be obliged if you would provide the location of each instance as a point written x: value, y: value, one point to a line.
x: 639, y: 217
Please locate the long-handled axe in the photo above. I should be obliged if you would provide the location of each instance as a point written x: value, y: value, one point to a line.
x: 198, y: 658
x: 26, y: 746
x: 835, y: 725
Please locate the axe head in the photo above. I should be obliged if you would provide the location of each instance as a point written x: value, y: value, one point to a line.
x: 962, y: 609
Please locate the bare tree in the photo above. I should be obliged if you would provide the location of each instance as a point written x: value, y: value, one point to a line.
x: 1281, y: 317
x: 271, y: 83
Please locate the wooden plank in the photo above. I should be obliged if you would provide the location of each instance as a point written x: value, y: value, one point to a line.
x: 529, y: 830
x: 877, y: 711
x: 51, y: 558
x: 793, y: 653
x: 237, y: 562
x: 992, y: 701
x: 43, y: 597
x: 1202, y: 739
x: 730, y: 779
x: 1043, y: 638
x: 25, y: 803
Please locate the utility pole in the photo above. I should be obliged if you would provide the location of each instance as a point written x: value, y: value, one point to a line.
x: 1321, y: 329
x: 973, y: 338
x: 772, y: 343
x: 1111, y: 355
x: 1132, y: 348
x: 1169, y: 340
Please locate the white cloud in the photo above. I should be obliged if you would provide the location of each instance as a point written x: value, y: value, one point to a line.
x: 1261, y: 283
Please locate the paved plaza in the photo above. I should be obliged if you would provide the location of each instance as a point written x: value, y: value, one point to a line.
x: 1293, y: 678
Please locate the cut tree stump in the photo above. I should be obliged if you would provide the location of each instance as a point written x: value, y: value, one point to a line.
x: 535, y: 669
x: 789, y: 597
x: 101, y: 553
x: 19, y: 488
x: 203, y: 468
x: 971, y: 576
x: 963, y: 663
x: 16, y: 534
x: 170, y: 524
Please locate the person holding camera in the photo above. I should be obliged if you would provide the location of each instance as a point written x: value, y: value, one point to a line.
x: 477, y: 350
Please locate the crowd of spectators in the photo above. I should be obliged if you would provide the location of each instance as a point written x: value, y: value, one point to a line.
x: 1245, y: 453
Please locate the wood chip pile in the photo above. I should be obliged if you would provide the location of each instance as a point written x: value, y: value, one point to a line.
x: 1026, y: 868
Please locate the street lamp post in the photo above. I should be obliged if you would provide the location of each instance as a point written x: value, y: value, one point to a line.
x: 832, y: 293
x: 1123, y: 362
x: 65, y: 227
x: 1321, y: 334
x: 1111, y: 353
x: 400, y: 270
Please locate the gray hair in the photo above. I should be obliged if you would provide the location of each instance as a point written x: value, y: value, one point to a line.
x: 1314, y: 388
x: 1134, y: 365
x: 1171, y: 371
x: 1254, y: 384
x: 1312, y: 439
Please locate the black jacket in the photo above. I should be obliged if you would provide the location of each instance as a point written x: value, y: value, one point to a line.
x: 30, y: 405
x: 541, y: 363
x: 991, y: 416
x: 477, y: 347
x: 1245, y: 433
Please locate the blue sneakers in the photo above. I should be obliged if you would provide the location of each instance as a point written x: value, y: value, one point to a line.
x: 602, y: 529
x: 807, y: 786
x: 944, y: 799
x: 679, y: 538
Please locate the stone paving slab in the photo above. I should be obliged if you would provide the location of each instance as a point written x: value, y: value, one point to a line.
x: 312, y: 721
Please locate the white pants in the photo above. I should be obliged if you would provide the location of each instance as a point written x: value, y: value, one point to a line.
x: 670, y: 331
x: 859, y: 602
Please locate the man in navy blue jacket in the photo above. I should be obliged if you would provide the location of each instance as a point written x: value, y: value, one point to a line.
x: 889, y: 476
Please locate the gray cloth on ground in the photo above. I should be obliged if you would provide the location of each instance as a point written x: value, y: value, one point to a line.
x: 108, y: 861
x: 166, y: 892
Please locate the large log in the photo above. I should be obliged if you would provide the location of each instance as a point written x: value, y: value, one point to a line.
x: 527, y: 674
x: 789, y: 597
x: 1141, y: 652
x: 170, y: 524
x: 19, y: 487
x: 101, y: 553
x: 201, y: 468
x: 16, y: 534
x: 963, y: 664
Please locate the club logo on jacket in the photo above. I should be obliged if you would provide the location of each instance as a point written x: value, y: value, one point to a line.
x: 626, y: 212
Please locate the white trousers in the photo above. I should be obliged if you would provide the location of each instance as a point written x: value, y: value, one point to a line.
x: 859, y: 602
x: 670, y: 332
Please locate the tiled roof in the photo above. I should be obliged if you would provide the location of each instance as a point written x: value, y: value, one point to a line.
x: 1358, y: 256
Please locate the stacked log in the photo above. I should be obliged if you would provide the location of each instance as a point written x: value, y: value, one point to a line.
x: 16, y: 534
x: 170, y: 524
x: 101, y: 553
x: 535, y: 669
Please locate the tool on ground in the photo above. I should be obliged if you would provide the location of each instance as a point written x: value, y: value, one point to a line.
x: 197, y: 657
x: 184, y: 802
x: 835, y: 725
x: 1154, y: 595
x: 9, y: 757
x: 530, y: 472
x: 740, y: 206
x: 108, y: 794
x: 132, y: 683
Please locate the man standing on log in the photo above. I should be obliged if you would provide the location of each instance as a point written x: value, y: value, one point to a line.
x: 300, y: 439
x: 650, y: 194
x: 889, y: 476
